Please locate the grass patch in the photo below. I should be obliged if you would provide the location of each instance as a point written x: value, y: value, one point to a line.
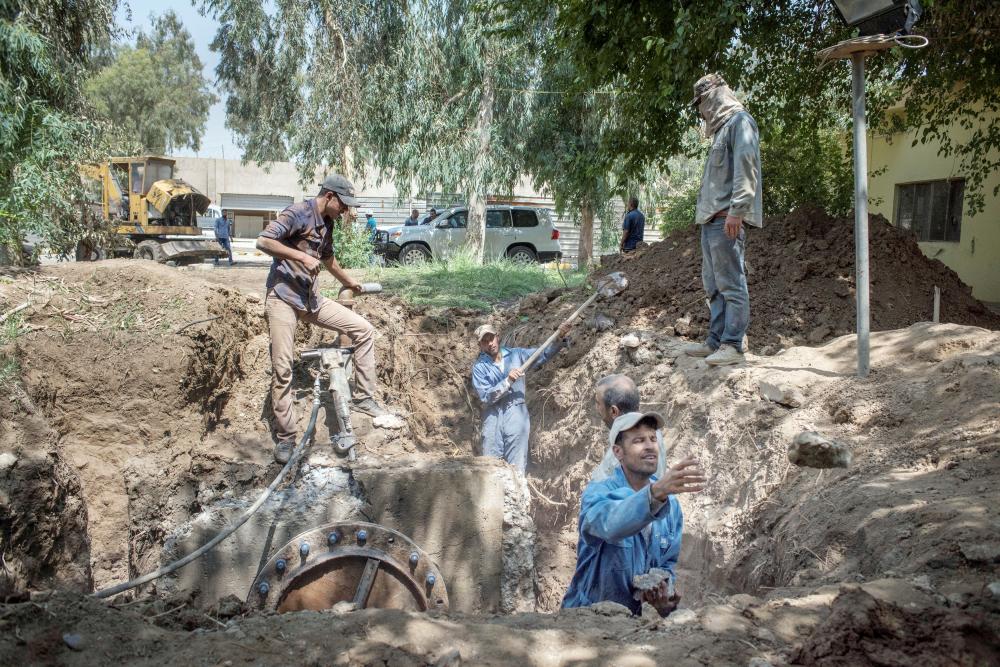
x: 459, y: 282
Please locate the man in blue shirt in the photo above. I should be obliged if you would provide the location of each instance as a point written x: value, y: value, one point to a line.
x: 222, y: 236
x: 499, y: 382
x: 633, y: 226
x: 631, y: 522
x: 413, y: 220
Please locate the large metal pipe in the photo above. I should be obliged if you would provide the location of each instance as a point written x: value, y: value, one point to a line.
x: 861, y: 210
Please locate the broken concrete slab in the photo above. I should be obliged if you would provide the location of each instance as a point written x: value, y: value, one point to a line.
x: 651, y: 580
x: 813, y: 450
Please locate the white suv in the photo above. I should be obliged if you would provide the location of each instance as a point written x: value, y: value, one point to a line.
x: 522, y: 233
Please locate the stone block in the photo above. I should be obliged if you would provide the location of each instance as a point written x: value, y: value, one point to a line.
x: 812, y: 450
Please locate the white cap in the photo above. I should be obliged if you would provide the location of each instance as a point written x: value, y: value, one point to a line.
x: 629, y: 420
x: 484, y: 329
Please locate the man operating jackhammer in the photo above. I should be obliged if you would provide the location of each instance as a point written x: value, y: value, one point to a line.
x: 300, y: 241
x: 499, y: 382
x: 631, y: 522
x: 730, y: 196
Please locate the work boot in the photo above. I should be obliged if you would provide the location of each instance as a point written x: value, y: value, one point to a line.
x: 368, y: 406
x: 283, y: 451
x: 726, y: 355
x: 697, y: 350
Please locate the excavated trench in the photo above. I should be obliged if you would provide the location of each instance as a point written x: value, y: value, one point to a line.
x: 102, y: 486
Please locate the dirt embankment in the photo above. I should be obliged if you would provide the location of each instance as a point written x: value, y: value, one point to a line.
x: 144, y: 424
x: 800, y: 271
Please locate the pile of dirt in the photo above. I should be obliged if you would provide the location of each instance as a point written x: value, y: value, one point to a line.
x: 800, y: 271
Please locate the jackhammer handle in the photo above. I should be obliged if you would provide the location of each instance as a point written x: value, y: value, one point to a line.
x: 551, y: 339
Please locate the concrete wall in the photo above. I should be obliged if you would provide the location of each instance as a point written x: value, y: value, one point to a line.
x: 976, y: 257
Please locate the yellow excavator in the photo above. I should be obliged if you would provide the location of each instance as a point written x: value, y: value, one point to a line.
x: 154, y: 214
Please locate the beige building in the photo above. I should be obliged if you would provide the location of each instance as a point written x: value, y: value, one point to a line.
x: 925, y: 193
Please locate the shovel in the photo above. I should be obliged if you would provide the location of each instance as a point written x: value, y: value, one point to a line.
x: 610, y: 285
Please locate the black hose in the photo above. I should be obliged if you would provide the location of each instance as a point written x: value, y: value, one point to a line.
x: 205, y: 548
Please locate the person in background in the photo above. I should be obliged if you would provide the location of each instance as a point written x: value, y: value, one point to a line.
x: 633, y: 226
x: 431, y: 214
x: 413, y: 220
x: 371, y: 226
x: 224, y: 238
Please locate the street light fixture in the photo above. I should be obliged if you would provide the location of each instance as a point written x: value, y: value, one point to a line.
x: 879, y: 17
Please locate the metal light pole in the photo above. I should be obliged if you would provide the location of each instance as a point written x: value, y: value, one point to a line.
x: 861, y: 276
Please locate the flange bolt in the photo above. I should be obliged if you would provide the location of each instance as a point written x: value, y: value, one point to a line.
x: 431, y: 579
x: 264, y: 588
x: 333, y: 538
x: 362, y: 535
x: 414, y: 558
x: 280, y: 565
x: 304, y: 549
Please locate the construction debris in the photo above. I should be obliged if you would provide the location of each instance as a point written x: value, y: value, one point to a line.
x: 812, y: 450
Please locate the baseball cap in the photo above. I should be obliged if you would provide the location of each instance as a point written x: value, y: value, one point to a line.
x: 705, y: 84
x: 484, y: 329
x: 629, y: 420
x: 342, y: 187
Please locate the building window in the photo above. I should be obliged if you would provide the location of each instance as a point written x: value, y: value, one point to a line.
x: 931, y: 210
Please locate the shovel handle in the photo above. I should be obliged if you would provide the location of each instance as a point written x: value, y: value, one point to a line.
x: 551, y: 339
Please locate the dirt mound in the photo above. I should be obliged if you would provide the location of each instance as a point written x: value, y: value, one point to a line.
x: 800, y: 270
x: 862, y: 631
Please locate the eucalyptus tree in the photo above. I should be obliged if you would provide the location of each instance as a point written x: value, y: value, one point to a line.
x: 155, y: 90
x: 431, y: 93
x: 45, y: 49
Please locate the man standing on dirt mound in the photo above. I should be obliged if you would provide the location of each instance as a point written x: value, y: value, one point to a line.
x: 499, y: 382
x: 300, y: 241
x: 730, y: 197
x: 631, y: 522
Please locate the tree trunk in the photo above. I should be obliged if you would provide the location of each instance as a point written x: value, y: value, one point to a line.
x: 585, y: 249
x: 475, y: 237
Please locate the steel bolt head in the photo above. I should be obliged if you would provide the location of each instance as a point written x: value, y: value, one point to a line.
x: 431, y: 579
x: 304, y: 549
x: 280, y: 565
x: 362, y: 535
x: 414, y: 558
x: 264, y: 588
x: 333, y: 538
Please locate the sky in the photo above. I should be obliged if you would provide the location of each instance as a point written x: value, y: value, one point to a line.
x: 217, y: 141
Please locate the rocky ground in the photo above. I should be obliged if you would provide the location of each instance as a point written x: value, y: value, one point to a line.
x: 126, y: 419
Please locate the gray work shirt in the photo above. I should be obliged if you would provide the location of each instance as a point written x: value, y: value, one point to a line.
x: 732, y: 179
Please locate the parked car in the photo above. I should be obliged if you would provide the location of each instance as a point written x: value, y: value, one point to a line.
x: 521, y: 233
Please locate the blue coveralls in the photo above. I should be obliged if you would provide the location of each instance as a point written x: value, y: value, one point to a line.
x: 613, y: 547
x: 506, y: 424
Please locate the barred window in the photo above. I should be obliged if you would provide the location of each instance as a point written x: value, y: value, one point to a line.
x: 931, y: 210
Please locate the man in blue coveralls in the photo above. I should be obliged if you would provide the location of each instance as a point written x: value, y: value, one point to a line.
x: 631, y: 522
x: 499, y: 381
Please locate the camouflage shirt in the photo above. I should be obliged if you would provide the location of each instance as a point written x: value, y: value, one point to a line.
x: 301, y: 227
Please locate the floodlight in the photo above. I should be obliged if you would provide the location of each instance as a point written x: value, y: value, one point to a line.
x: 879, y: 17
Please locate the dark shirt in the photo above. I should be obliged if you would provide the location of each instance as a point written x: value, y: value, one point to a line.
x: 635, y: 225
x: 301, y: 227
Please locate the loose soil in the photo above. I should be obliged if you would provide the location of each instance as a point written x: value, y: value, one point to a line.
x: 130, y: 415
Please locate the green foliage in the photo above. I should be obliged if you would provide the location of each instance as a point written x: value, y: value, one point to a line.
x: 44, y: 50
x: 9, y: 331
x: 463, y: 282
x: 155, y: 90
x: 351, y: 246
x: 678, y: 209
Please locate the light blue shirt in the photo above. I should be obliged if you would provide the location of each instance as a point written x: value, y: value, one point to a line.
x: 221, y: 228
x: 614, y: 547
x: 490, y: 380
